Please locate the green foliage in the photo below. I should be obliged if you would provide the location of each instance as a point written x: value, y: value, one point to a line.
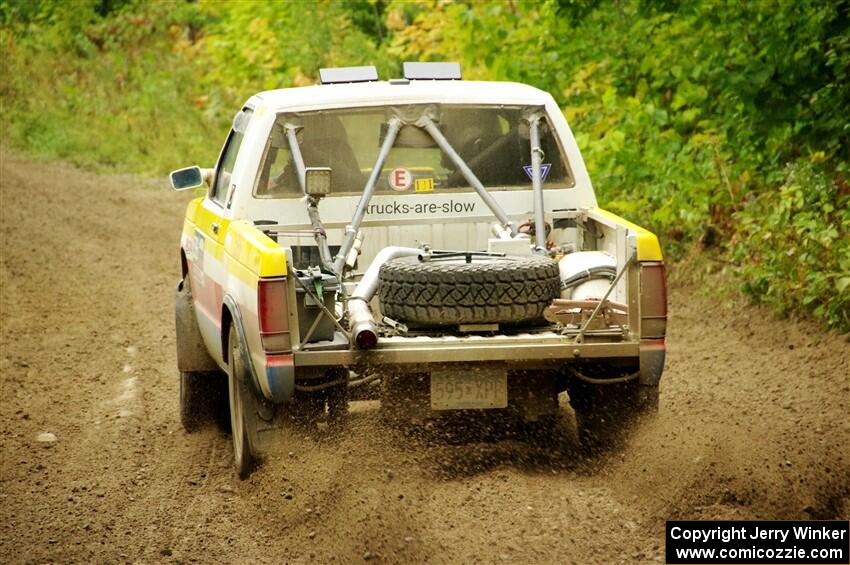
x: 251, y: 46
x: 111, y: 93
x: 794, y: 244
x: 687, y: 115
x: 158, y: 81
x: 694, y: 118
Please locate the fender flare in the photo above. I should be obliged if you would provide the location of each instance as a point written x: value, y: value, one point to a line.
x: 280, y: 380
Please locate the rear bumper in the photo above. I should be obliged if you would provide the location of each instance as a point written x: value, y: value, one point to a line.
x: 531, y: 350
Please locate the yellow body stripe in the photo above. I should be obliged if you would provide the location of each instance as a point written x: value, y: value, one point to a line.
x: 247, y: 253
x: 241, y: 272
x: 255, y: 250
x: 648, y: 248
x: 203, y: 220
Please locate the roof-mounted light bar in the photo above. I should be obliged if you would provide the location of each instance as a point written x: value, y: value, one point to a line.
x: 340, y: 75
x: 432, y: 71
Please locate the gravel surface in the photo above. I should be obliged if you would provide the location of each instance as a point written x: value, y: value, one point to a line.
x: 754, y: 422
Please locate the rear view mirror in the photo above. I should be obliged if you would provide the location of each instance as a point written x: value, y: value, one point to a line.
x: 317, y: 181
x: 185, y: 179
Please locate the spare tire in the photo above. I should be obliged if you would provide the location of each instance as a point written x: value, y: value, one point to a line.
x: 506, y: 290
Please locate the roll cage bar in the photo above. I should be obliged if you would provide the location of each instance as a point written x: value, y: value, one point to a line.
x: 425, y: 121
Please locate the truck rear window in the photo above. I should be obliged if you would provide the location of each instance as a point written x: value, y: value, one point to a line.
x: 492, y: 140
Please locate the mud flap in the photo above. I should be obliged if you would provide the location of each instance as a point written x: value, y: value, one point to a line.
x: 652, y: 353
x: 192, y: 355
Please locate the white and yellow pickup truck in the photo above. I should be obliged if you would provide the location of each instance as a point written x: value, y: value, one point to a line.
x: 430, y: 241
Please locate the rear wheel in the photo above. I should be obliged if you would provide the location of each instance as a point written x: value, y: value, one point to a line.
x: 201, y: 397
x: 543, y: 431
x: 337, y: 398
x: 308, y: 408
x: 203, y: 390
x: 244, y: 406
x: 193, y: 405
x: 606, y: 412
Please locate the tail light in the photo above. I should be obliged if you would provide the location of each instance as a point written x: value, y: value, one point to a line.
x: 273, y: 314
x: 653, y: 300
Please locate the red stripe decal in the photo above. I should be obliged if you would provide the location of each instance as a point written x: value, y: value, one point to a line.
x: 279, y: 361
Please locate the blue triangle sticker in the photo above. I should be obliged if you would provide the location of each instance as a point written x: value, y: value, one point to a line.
x: 544, y: 171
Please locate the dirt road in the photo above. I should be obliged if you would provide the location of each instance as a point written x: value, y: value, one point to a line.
x: 754, y: 423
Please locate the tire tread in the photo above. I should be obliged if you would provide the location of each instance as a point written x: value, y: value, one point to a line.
x: 448, y: 293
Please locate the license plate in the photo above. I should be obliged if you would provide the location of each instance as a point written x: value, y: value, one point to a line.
x: 457, y: 389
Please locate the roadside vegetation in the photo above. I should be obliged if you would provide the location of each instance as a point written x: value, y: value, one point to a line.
x: 722, y: 125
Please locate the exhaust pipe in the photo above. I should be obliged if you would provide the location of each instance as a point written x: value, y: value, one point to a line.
x: 364, y: 330
x: 364, y: 334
